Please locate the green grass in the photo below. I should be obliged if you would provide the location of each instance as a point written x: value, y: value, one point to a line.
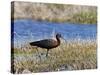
x: 70, y: 55
x: 85, y: 18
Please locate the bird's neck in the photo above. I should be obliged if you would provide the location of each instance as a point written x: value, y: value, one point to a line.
x: 58, y: 40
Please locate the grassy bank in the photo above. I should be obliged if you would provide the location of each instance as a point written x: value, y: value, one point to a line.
x: 70, y: 55
x: 54, y: 12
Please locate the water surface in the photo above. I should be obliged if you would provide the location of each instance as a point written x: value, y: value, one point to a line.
x: 30, y: 30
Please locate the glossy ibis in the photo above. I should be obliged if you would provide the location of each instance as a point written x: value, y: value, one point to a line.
x: 47, y: 43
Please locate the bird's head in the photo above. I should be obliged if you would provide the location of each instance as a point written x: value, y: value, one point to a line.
x: 58, y: 35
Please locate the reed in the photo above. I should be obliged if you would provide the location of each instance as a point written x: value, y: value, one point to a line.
x: 54, y: 12
x: 74, y: 54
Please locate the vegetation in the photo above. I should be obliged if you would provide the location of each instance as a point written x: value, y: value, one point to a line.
x: 74, y: 54
x: 54, y: 12
x: 85, y: 17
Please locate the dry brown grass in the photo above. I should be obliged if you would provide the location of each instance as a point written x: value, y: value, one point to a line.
x: 70, y: 55
x: 55, y: 12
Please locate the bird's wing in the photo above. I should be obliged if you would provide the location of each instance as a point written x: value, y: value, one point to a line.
x: 48, y: 42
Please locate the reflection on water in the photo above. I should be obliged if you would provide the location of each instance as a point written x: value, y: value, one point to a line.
x: 30, y: 30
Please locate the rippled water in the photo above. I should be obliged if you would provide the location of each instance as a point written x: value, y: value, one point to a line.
x: 30, y: 30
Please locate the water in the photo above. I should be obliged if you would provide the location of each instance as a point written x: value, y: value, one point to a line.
x: 30, y: 30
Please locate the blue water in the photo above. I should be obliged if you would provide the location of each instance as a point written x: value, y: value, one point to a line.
x: 30, y: 30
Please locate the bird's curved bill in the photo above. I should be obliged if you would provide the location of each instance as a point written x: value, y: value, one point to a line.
x: 63, y: 39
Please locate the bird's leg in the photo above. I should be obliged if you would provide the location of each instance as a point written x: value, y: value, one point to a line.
x: 47, y: 52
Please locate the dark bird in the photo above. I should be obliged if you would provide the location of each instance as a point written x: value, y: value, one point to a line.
x: 47, y: 43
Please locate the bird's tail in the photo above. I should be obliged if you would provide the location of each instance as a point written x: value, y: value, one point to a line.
x: 33, y: 43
